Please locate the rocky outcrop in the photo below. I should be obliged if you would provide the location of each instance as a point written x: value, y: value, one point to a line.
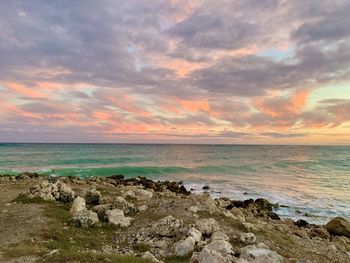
x: 167, y: 226
x: 120, y: 203
x: 248, y: 238
x: 217, y: 251
x: 339, y: 227
x: 116, y: 217
x: 92, y: 196
x: 101, y: 210
x: 52, y: 191
x: 207, y: 226
x: 185, y: 247
x: 253, y: 254
x: 85, y: 218
x: 78, y: 205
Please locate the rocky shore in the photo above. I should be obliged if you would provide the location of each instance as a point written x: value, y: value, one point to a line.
x: 114, y: 219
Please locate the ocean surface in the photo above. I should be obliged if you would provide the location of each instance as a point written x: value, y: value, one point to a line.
x: 313, y: 181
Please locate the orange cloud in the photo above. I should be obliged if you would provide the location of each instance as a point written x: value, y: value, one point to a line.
x: 26, y: 91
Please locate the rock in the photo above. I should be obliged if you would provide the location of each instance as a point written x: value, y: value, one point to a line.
x: 124, y: 205
x: 223, y: 247
x: 130, y: 194
x: 196, y: 234
x: 219, y: 251
x: 167, y: 226
x: 142, y: 208
x: 85, y: 219
x: 206, y: 187
x: 339, y: 227
x: 252, y: 254
x: 218, y: 235
x: 248, y: 238
x: 207, y: 226
x: 143, y: 194
x: 92, y: 196
x: 78, y: 205
x: 223, y: 202
x: 185, y: 247
x: 116, y: 217
x: 301, y: 223
x: 193, y: 209
x: 211, y: 256
x: 150, y: 257
x: 100, y: 210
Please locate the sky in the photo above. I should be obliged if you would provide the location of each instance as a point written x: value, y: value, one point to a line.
x: 175, y: 71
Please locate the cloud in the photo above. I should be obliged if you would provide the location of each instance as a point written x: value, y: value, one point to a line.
x: 180, y: 67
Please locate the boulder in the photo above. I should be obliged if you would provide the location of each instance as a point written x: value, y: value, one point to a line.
x: 222, y: 247
x: 101, y: 210
x: 84, y: 219
x: 92, y: 196
x: 339, y: 227
x: 218, y: 251
x: 150, y: 257
x: 116, y: 217
x: 218, y: 235
x: 248, y: 238
x: 183, y: 248
x: 207, y: 226
x: 143, y: 194
x: 196, y: 234
x: 167, y: 226
x: 253, y: 254
x: 130, y: 194
x: 124, y: 205
x: 78, y: 205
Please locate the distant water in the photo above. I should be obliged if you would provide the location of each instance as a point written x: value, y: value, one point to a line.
x: 314, y: 181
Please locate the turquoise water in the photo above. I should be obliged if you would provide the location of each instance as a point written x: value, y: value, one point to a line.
x: 308, y: 179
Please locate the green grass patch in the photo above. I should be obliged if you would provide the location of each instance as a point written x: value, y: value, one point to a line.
x: 175, y: 259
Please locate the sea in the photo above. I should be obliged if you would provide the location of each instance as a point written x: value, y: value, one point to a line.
x: 309, y: 182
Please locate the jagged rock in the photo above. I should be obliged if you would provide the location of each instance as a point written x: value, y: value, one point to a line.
x: 116, y: 217
x: 78, y: 205
x: 223, y: 247
x: 253, y: 254
x: 49, y: 191
x: 185, y: 247
x: 218, y: 235
x: 196, y: 234
x: 92, y: 196
x: 85, y: 219
x: 248, y: 238
x: 129, y: 193
x: 218, y: 251
x: 100, y: 210
x: 339, y: 226
x: 223, y: 202
x: 124, y: 205
x: 142, y: 208
x: 207, y: 226
x: 167, y: 226
x: 149, y: 256
x: 143, y: 194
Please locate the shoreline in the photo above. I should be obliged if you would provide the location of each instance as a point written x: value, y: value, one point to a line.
x: 140, y: 206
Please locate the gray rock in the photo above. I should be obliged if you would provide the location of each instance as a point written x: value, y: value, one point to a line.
x: 100, y: 210
x: 185, y: 247
x: 211, y: 256
x: 252, y: 254
x: 196, y: 234
x: 339, y: 227
x: 207, y: 226
x: 92, y: 196
x: 78, y: 205
x: 222, y: 247
x: 149, y: 256
x: 116, y: 217
x: 167, y: 226
x: 85, y: 219
x: 248, y: 238
x: 142, y: 194
x: 218, y: 235
x: 124, y: 205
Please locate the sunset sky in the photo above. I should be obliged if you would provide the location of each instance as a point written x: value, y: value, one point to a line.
x: 175, y: 71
